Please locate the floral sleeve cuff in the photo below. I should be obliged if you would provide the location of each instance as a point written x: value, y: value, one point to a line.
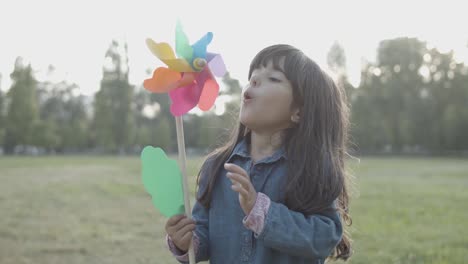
x: 180, y: 255
x: 255, y: 220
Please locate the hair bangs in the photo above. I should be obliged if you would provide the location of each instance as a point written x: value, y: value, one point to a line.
x: 277, y: 55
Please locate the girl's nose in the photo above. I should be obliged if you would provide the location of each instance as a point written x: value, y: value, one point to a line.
x: 254, y: 82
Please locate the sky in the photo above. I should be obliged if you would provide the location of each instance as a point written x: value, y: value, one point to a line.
x: 73, y: 36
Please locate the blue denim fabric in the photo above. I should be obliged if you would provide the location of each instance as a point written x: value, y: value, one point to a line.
x: 287, y: 237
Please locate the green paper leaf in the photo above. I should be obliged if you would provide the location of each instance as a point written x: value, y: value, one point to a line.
x: 162, y: 179
x: 183, y: 48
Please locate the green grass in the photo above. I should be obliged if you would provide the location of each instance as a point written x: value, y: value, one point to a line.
x: 95, y: 210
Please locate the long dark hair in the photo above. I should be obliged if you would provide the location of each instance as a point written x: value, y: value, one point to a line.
x: 315, y: 147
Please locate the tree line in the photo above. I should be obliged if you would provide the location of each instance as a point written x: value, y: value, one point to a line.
x: 411, y: 99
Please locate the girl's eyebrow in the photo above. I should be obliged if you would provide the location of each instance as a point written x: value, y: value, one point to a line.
x: 278, y: 72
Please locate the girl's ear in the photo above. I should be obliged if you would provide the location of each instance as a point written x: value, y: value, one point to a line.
x: 295, y: 116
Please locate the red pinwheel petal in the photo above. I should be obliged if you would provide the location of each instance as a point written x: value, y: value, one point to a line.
x: 163, y: 80
x: 208, y: 95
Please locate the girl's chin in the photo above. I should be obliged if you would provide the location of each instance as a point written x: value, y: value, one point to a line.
x: 246, y: 122
x: 249, y: 123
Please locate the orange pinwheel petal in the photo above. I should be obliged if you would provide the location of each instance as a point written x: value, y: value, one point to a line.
x: 163, y: 80
x: 208, y: 95
x: 187, y: 78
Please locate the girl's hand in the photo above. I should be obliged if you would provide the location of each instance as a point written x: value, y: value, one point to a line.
x: 179, y: 228
x: 241, y: 184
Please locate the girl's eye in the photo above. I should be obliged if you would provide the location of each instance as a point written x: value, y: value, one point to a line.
x: 273, y: 79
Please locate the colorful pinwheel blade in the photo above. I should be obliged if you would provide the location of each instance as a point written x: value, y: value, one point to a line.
x: 185, y: 98
x: 179, y: 65
x: 163, y: 80
x: 216, y: 64
x: 199, y: 48
x: 208, y: 95
x: 183, y: 48
x: 165, y: 53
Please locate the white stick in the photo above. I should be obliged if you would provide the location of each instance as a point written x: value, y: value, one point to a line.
x: 183, y: 167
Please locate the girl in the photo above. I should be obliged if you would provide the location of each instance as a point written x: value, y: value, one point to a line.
x: 276, y: 192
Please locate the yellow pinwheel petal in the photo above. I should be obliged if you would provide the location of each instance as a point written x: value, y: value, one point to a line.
x: 161, y: 50
x: 179, y: 65
x: 165, y: 53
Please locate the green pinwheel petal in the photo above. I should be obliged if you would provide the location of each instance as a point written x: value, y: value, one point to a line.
x: 183, y: 48
x: 162, y: 179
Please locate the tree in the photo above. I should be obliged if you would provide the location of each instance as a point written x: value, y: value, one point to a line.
x: 113, y: 118
x: 63, y: 119
x: 142, y: 118
x: 163, y: 134
x: 399, y: 60
x: 22, y: 110
x: 446, y: 92
x: 389, y: 91
x: 2, y: 114
x: 164, y: 115
x: 234, y: 90
x: 336, y: 59
x: 411, y: 100
x: 153, y: 124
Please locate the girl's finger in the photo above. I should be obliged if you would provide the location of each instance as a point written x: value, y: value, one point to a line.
x: 236, y: 169
x: 240, y: 179
x: 183, y: 223
x: 179, y: 234
x: 174, y: 220
x: 241, y: 190
x: 186, y: 229
x: 186, y: 238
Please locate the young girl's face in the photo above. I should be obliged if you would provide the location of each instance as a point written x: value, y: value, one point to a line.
x: 266, y: 101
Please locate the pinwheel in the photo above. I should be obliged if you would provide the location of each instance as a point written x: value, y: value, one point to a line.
x: 190, y: 81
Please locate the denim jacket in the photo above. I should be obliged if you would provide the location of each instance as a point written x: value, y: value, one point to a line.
x: 287, y: 236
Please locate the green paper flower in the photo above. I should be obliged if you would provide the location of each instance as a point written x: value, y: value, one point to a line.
x: 162, y: 179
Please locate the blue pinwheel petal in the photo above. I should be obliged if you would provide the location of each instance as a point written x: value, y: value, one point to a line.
x: 199, y: 47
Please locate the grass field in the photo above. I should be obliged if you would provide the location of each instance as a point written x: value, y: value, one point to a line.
x: 94, y: 210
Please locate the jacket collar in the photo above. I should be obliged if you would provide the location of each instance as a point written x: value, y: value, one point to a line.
x: 242, y: 150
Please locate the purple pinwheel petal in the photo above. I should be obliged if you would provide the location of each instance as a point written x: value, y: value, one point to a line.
x: 210, y: 56
x: 216, y: 64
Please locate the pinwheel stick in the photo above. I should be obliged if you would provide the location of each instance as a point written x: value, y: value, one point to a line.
x: 183, y: 168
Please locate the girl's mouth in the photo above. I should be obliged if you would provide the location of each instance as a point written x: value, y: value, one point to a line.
x: 247, y: 97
